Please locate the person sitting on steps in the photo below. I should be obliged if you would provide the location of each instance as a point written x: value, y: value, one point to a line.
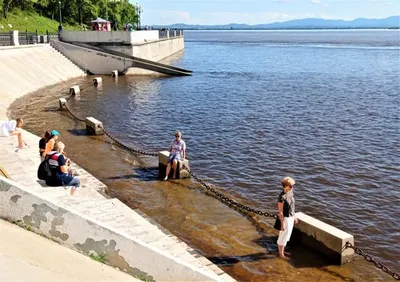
x: 60, y: 168
x: 50, y: 141
x: 11, y: 127
x: 177, y: 153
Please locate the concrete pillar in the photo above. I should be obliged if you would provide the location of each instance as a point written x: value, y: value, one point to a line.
x: 323, y: 238
x: 114, y: 73
x: 93, y: 126
x: 97, y: 81
x: 74, y: 90
x: 15, y: 37
x: 163, y: 157
x: 63, y: 103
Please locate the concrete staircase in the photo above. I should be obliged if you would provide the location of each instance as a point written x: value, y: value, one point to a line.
x: 24, y: 69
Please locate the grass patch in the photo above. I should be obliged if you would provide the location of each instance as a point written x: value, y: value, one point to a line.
x: 102, y: 258
x: 31, y: 21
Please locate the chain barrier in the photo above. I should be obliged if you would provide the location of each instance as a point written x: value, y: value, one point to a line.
x: 74, y: 116
x: 368, y: 258
x: 226, y: 199
x: 229, y: 201
x: 115, y: 140
x: 138, y: 152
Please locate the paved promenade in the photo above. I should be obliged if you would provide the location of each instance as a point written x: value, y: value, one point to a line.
x: 24, y: 255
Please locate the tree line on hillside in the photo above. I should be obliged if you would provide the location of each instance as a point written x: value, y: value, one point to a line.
x: 76, y: 11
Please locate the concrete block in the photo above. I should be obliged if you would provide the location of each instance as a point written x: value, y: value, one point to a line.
x: 97, y: 81
x: 93, y: 126
x: 114, y: 73
x: 63, y: 103
x: 323, y: 238
x: 74, y: 90
x: 163, y: 157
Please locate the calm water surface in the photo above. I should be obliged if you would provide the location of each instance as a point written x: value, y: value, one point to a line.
x: 320, y: 106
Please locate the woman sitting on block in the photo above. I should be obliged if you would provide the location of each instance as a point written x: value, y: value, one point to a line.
x: 177, y: 153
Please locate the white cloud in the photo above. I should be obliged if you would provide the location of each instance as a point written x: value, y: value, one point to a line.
x: 316, y: 1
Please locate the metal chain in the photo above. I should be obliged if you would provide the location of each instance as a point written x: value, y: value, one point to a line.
x: 74, y: 116
x: 115, y: 140
x: 226, y: 199
x: 368, y: 258
x: 152, y: 154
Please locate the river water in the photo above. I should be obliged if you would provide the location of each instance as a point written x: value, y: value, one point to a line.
x: 320, y: 106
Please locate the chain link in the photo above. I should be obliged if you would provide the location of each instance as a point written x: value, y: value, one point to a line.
x: 74, y: 116
x: 368, y: 258
x: 138, y: 152
x: 226, y: 199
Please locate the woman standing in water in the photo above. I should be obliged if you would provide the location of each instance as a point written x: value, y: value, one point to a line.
x: 286, y: 209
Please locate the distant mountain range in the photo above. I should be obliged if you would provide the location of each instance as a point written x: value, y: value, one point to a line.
x: 310, y: 23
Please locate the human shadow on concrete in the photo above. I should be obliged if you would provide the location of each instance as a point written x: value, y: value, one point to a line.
x: 231, y: 260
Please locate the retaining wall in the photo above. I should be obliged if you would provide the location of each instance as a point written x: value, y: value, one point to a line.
x: 25, y: 69
x: 85, y: 234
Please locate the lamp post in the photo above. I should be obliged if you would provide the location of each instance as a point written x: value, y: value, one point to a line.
x: 59, y: 7
x: 60, y: 26
x: 139, y: 10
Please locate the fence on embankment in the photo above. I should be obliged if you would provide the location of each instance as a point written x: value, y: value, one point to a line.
x: 14, y: 38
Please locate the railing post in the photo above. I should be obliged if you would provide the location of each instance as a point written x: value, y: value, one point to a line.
x: 15, y: 37
x: 26, y: 36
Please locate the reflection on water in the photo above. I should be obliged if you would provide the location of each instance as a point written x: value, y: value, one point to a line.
x: 328, y: 117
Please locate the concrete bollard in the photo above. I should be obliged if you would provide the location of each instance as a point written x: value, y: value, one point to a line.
x: 114, y: 73
x: 74, y: 90
x: 97, y: 81
x: 93, y: 126
x: 323, y: 238
x: 63, y: 103
x: 181, y: 173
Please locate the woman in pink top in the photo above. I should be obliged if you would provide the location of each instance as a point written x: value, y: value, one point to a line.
x: 177, y: 153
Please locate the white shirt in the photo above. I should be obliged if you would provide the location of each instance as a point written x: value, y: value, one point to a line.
x: 7, y: 126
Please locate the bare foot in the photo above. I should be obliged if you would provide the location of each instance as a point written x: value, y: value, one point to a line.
x: 283, y: 257
x: 73, y: 190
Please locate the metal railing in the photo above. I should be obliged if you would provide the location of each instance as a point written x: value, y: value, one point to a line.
x: 26, y: 38
x: 6, y: 38
x: 170, y: 33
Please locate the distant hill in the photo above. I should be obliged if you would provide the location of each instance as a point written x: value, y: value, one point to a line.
x: 310, y: 23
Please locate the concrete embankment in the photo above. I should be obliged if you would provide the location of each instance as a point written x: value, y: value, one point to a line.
x: 89, y: 222
x: 24, y: 69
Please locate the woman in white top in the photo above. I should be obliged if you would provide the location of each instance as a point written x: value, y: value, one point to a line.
x: 177, y: 153
x: 11, y: 127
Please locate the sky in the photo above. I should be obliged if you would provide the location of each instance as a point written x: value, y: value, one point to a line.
x: 211, y: 12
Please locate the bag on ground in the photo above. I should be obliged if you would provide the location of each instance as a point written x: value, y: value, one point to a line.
x: 44, y: 171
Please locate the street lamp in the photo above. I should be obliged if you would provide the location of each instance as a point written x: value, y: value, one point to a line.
x: 60, y: 26
x: 59, y: 7
x: 139, y: 10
